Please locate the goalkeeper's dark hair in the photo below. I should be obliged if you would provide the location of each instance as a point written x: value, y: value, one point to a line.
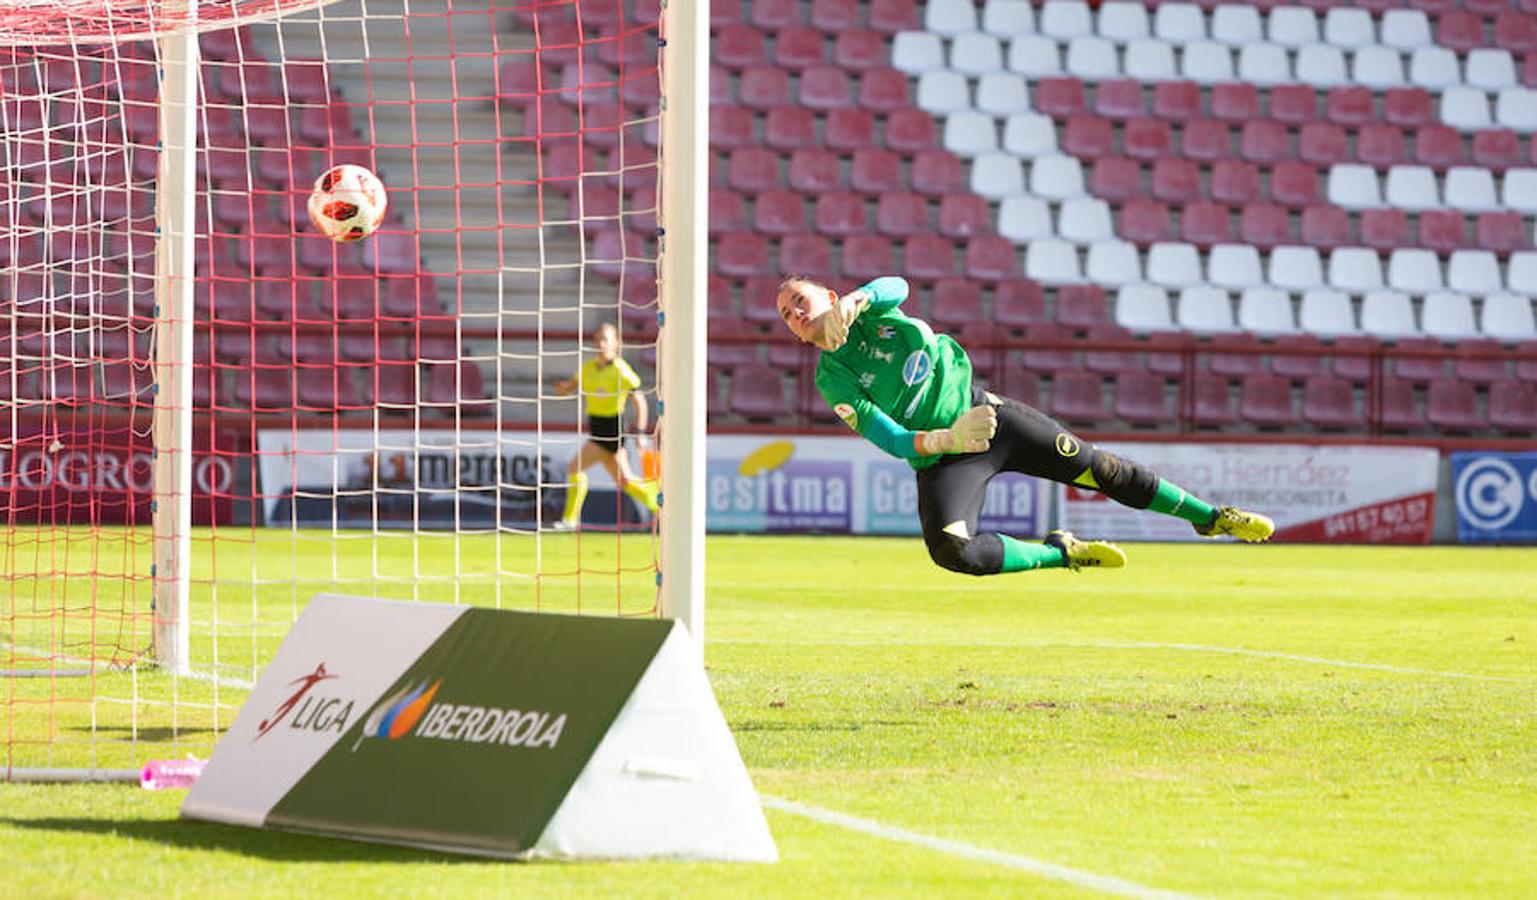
x: 796, y: 279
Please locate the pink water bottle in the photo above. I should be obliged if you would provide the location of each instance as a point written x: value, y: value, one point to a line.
x: 170, y: 773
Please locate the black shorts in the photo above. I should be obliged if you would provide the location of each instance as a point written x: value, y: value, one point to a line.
x: 1028, y: 441
x: 604, y: 431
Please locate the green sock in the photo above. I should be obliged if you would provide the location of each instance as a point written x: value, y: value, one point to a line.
x: 576, y: 492
x: 1173, y: 500
x: 1022, y: 556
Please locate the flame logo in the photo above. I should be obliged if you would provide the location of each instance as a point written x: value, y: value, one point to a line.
x: 397, y: 714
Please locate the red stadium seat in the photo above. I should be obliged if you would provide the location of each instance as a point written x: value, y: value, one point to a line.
x: 1460, y: 30
x: 1453, y: 406
x: 1516, y: 32
x: 1352, y: 105
x: 1235, y: 183
x: 1483, y: 366
x: 1381, y: 145
x: 964, y: 215
x: 780, y: 212
x: 848, y: 130
x: 1018, y: 303
x: 1206, y: 140
x: 754, y: 169
x: 764, y: 87
x: 1502, y: 231
x: 1497, y: 149
x: 773, y: 15
x: 1296, y: 365
x: 1408, y: 107
x: 1384, y: 229
x: 1078, y: 397
x: 808, y: 254
x: 1329, y: 402
x: 1264, y: 225
x: 901, y: 214
x: 1443, y: 230
x: 1145, y: 222
x: 790, y: 128
x: 1294, y: 184
x: 1212, y: 402
x: 1111, y: 362
x: 1418, y: 369
x: 814, y: 171
x: 1177, y: 100
x: 1020, y: 384
x: 824, y: 88
x: 883, y: 90
x: 834, y: 16
x: 937, y: 172
x: 728, y: 211
x: 1146, y: 139
x: 1293, y: 104
x: 1120, y: 98
x: 1088, y: 137
x: 855, y: 49
x: 1352, y: 357
x: 1264, y: 141
x: 892, y: 16
x: 799, y: 48
x: 1322, y: 144
x: 1438, y: 146
x: 876, y: 170
x: 1059, y: 97
x: 1326, y: 227
x: 841, y: 214
x: 991, y: 259
x: 758, y: 393
x: 1513, y: 407
x: 1082, y: 306
x: 1142, y: 399
x: 1116, y: 179
x: 1235, y: 102
x: 957, y: 303
x: 741, y: 255
x: 1176, y: 180
x: 1205, y: 224
x: 910, y: 131
x: 928, y: 257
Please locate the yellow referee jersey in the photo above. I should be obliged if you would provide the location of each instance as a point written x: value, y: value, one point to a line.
x: 606, y: 387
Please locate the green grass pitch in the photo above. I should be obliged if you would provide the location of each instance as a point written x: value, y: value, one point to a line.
x: 1214, y: 720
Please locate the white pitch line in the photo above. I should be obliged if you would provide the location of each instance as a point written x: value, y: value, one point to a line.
x: 1106, y: 884
x: 1146, y: 645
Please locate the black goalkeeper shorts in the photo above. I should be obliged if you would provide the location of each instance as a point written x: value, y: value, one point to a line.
x: 604, y: 431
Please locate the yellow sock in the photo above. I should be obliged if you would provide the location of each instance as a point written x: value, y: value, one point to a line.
x: 644, y: 491
x: 576, y: 492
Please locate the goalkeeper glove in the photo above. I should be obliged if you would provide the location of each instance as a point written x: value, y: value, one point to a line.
x: 972, y: 433
x: 837, y: 320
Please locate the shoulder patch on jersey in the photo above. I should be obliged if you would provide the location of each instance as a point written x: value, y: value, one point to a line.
x: 847, y: 414
x: 916, y: 367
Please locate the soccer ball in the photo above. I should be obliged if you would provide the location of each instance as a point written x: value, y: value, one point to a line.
x: 348, y: 203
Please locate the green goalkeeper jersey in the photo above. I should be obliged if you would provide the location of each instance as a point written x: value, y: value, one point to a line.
x: 895, y: 376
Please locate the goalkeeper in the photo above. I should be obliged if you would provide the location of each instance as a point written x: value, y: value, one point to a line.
x: 605, y: 381
x: 909, y: 391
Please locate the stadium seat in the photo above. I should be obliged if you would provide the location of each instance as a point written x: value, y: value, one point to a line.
x: 1150, y: 140
x: 1293, y: 104
x: 1453, y: 406
x: 1502, y: 232
x: 916, y: 52
x: 1174, y: 265
x: 1022, y: 218
x: 1447, y: 315
x: 812, y: 171
x: 1236, y: 183
x: 758, y: 393
x: 1007, y: 18
x: 1116, y: 179
x: 964, y: 215
x: 1088, y: 136
x: 1355, y: 270
x: 780, y: 212
x: 1409, y: 365
x: 1113, y: 263
x: 1051, y: 177
x: 853, y: 48
x: 942, y: 91
x: 1329, y: 402
x: 1387, y: 313
x: 1325, y: 227
x: 1265, y: 310
x: 883, y: 91
x: 1146, y: 222
x: 901, y: 214
x: 1266, y: 402
x: 1507, y: 317
x: 1179, y: 23
x: 1264, y: 64
x: 1381, y: 146
x: 893, y: 16
x: 1289, y: 358
x: 1326, y: 312
x: 1060, y: 97
x: 799, y: 48
x: 1143, y: 307
x: 1211, y: 402
x: 841, y: 213
x: 950, y: 17
x: 991, y: 258
x: 807, y: 254
x: 1479, y: 361
x: 1084, y: 220
x: 1177, y: 100
x: 825, y: 88
x: 937, y: 172
x: 1043, y: 360
x: 1384, y: 229
x: 1206, y: 224
x: 1264, y: 225
x: 1111, y: 362
x: 1078, y: 397
x: 1513, y: 407
x: 754, y: 169
x: 1018, y: 303
x: 1236, y: 25
x: 1002, y: 94
x: 1120, y: 99
x: 1235, y: 103
x: 1034, y: 56
x: 927, y: 257
x: 1322, y: 144
x: 772, y: 15
x: 1082, y: 307
x: 908, y: 131
x: 790, y: 128
x: 1141, y: 399
x: 1204, y: 309
x: 764, y: 87
x: 1474, y: 272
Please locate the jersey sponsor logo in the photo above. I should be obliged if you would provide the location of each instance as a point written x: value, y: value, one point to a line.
x: 917, y: 366
x: 1067, y: 445
x: 866, y: 379
x: 876, y: 353
x: 885, y: 332
x: 847, y: 414
x: 411, y: 713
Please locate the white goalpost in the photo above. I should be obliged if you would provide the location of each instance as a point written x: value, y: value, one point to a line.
x: 209, y: 412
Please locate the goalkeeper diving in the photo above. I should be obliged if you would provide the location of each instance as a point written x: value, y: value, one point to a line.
x: 909, y: 391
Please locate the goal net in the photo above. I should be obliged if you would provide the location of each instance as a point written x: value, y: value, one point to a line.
x: 210, y: 413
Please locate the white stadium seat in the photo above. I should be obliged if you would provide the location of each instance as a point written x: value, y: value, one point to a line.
x: 1434, y: 68
x: 1414, y: 270
x: 1052, y: 261
x: 1296, y: 268
x: 1377, y: 67
x: 1447, y: 315
x: 1056, y: 177
x: 1174, y: 265
x: 1521, y: 272
x: 1149, y: 59
x: 1292, y: 26
x: 975, y: 53
x: 1355, y: 270
x: 1006, y: 18
x: 1234, y: 266
x: 1237, y: 25
x: 1508, y: 317
x: 1204, y: 309
x: 916, y: 52
x: 1092, y: 58
x: 1321, y: 65
x: 1405, y: 29
x: 1143, y: 307
x: 1122, y: 21
x: 950, y: 17
x: 1465, y: 108
x: 1412, y: 188
x: 942, y: 91
x: 1354, y: 186
x: 1030, y: 135
x: 970, y: 133
x: 1265, y: 310
x: 1328, y: 312
x: 1179, y: 23
x: 1349, y: 28
x: 1490, y: 69
x: 1518, y: 190
x: 1084, y: 220
x: 1474, y: 272
x: 1002, y: 94
x: 1066, y: 19
x: 997, y: 175
x: 1207, y: 62
x: 1264, y: 64
x: 1114, y: 263
x: 1516, y: 109
x: 1035, y: 56
x: 1470, y: 189
x: 1388, y: 314
x: 1022, y: 218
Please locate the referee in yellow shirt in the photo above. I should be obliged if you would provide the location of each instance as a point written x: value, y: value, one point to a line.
x: 605, y: 381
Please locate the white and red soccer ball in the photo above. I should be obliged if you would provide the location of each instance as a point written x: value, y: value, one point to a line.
x: 348, y: 203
